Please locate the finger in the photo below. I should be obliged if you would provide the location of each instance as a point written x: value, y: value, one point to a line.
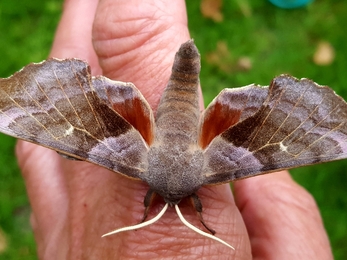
x: 73, y: 38
x: 41, y: 168
x: 46, y: 189
x: 282, y: 218
x: 136, y: 41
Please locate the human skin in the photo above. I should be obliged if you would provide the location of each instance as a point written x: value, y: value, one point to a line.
x: 74, y: 203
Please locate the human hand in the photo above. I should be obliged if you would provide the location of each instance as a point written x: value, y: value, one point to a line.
x: 74, y: 203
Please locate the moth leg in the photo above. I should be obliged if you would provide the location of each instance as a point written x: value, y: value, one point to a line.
x: 147, y: 202
x: 198, y: 207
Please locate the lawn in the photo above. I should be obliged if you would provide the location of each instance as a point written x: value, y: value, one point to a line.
x: 247, y: 42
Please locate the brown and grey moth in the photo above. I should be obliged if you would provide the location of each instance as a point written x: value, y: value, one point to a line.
x: 244, y: 132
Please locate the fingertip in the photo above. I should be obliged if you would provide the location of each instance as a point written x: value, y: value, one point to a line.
x: 73, y: 38
x: 138, y: 44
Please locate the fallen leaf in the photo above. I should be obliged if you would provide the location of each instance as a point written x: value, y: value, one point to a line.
x: 212, y: 9
x: 3, y: 241
x: 244, y: 63
x: 324, y: 54
x: 221, y: 57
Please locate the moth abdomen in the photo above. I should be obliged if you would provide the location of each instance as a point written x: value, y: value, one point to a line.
x: 179, y: 105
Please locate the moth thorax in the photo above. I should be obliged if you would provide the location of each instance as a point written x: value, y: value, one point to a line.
x: 173, y: 172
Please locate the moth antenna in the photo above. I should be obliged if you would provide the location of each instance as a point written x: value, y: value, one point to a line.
x: 141, y: 225
x: 185, y: 222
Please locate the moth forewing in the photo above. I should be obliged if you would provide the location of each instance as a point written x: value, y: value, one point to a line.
x: 300, y: 123
x: 53, y: 104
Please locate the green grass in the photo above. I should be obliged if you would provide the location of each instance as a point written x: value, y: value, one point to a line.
x: 275, y: 40
x: 26, y: 33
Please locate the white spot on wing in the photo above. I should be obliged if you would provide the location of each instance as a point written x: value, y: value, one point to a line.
x: 283, y: 147
x: 69, y: 131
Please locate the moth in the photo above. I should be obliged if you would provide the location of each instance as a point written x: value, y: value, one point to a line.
x: 244, y: 132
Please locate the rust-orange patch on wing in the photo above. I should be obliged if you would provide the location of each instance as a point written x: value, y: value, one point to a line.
x: 218, y: 119
x: 137, y: 115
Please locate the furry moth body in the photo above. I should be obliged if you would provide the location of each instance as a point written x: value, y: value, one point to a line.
x: 244, y: 132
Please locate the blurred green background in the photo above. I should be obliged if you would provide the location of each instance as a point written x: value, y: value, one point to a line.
x: 241, y: 42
